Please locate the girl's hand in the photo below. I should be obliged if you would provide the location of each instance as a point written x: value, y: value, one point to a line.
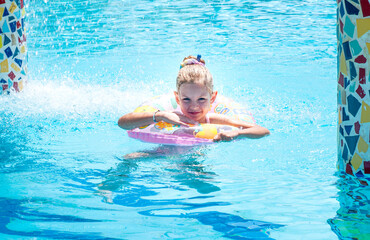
x: 174, y: 118
x: 226, y: 136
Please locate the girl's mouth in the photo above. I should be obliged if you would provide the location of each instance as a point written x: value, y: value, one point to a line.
x: 194, y: 113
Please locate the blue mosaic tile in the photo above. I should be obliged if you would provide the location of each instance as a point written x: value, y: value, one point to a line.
x: 345, y: 117
x: 341, y: 9
x: 348, y: 129
x: 16, y: 52
x: 8, y: 52
x: 349, y: 27
x: 346, y: 82
x: 351, y: 9
x: 18, y: 2
x: 339, y: 97
x: 356, y: 48
x: 352, y: 143
x: 6, y: 40
x: 11, y: 18
x: 345, y: 152
x: 19, y: 31
x: 17, y: 14
x: 352, y: 70
x: 18, y: 61
x: 347, y: 50
x: 6, y: 12
x: 359, y: 174
x: 5, y: 27
x: 10, y: 83
x: 341, y: 131
x: 13, y: 26
x: 352, y: 87
x: 353, y: 105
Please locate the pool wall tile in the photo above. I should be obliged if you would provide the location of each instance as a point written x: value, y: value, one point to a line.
x: 355, y: 47
x: 349, y: 27
x: 351, y: 9
x: 353, y: 39
x: 13, y: 54
x: 365, y: 5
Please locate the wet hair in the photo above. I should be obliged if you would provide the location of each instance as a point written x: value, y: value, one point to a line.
x: 194, y: 72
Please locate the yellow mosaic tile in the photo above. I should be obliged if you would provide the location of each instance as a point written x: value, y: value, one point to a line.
x: 4, y: 66
x: 365, y: 113
x: 13, y: 7
x: 343, y: 64
x: 363, y: 26
x: 356, y: 161
x: 20, y: 85
x: 1, y: 13
x: 362, y: 146
x: 23, y: 49
x: 15, y: 67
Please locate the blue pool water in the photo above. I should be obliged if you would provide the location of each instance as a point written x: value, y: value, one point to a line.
x: 62, y: 169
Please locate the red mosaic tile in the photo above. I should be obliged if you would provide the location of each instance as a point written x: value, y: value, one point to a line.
x: 2, y: 1
x: 360, y: 92
x: 21, y: 3
x: 364, y: 183
x: 15, y: 86
x: 5, y: 86
x: 367, y: 167
x: 11, y: 75
x: 19, y: 24
x: 341, y: 80
x: 349, y: 169
x: 361, y: 59
x: 357, y: 127
x: 362, y: 76
x: 341, y: 26
x: 365, y: 5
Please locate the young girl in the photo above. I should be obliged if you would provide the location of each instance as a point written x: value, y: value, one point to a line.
x: 194, y: 95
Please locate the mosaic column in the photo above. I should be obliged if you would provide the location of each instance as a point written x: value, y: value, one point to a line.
x: 13, y: 54
x: 353, y: 34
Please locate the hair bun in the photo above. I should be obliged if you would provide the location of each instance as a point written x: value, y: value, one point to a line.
x: 190, y: 60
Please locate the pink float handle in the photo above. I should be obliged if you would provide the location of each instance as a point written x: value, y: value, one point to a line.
x: 167, y: 139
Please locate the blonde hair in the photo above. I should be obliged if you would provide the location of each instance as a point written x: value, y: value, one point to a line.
x: 195, y: 73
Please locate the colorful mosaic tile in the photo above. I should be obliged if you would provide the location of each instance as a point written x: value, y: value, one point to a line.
x: 353, y: 33
x: 13, y: 66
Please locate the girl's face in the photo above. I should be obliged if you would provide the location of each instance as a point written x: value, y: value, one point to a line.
x: 195, y: 101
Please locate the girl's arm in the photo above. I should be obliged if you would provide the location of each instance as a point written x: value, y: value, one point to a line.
x: 135, y: 120
x: 248, y: 130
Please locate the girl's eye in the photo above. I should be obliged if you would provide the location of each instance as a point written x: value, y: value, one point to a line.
x: 186, y: 99
x: 201, y: 99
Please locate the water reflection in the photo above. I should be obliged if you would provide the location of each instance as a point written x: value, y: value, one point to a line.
x: 184, y: 166
x: 353, y: 217
x: 16, y: 210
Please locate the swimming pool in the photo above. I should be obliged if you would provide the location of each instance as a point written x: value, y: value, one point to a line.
x: 62, y: 171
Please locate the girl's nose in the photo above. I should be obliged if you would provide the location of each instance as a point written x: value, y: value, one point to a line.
x: 194, y: 106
